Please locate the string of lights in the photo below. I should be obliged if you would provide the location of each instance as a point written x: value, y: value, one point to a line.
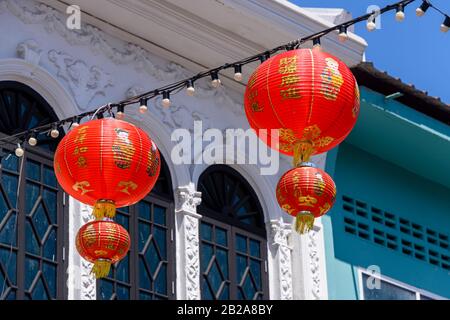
x: 426, y: 4
x: 53, y: 129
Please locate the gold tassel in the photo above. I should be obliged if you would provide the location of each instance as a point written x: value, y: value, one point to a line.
x: 104, y: 209
x: 304, y: 222
x: 302, y: 152
x: 101, y: 268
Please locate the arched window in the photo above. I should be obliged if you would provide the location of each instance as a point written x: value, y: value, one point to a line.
x: 31, y: 203
x: 148, y: 271
x: 233, y: 246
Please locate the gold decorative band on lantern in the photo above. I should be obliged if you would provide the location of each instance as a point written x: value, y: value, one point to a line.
x: 101, y: 268
x: 303, y: 151
x: 104, y: 209
x: 304, y: 222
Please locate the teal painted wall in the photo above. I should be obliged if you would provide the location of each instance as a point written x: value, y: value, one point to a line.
x: 417, y: 258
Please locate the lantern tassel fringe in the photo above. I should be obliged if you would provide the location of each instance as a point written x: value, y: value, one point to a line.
x: 303, y: 151
x: 101, y: 268
x: 104, y: 209
x: 304, y: 222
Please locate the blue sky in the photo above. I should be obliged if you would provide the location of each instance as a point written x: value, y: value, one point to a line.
x: 414, y: 50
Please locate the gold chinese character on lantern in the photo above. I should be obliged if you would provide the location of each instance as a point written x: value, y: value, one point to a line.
x: 288, y: 65
x: 289, y: 80
x: 291, y: 93
x: 81, y: 162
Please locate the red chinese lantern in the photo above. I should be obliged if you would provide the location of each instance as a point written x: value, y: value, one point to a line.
x: 309, y: 97
x: 103, y: 243
x: 107, y: 163
x: 306, y: 193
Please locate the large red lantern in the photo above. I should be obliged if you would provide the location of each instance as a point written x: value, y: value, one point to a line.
x: 310, y: 97
x: 103, y: 243
x: 306, y: 193
x: 107, y: 163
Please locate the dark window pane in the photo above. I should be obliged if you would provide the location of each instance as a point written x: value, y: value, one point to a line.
x: 144, y: 234
x: 49, y: 177
x: 123, y: 293
x: 206, y: 231
x: 39, y: 292
x: 49, y: 273
x: 151, y: 257
x: 241, y: 266
x: 159, y: 215
x: 40, y: 221
x: 31, y: 196
x: 144, y: 210
x: 144, y: 276
x: 225, y: 294
x: 255, y: 250
x: 222, y: 259
x: 106, y: 289
x: 9, y: 183
x: 160, y: 237
x: 3, y: 207
x: 221, y: 236
x: 255, y: 269
x: 122, y: 220
x: 33, y: 170
x: 10, y: 162
x: 51, y: 204
x: 31, y: 269
x: 241, y: 243
x: 145, y: 296
x: 123, y: 270
x: 32, y: 243
x: 8, y: 234
x: 206, y: 291
x: 8, y: 259
x: 206, y: 254
x: 50, y: 246
x: 161, y: 280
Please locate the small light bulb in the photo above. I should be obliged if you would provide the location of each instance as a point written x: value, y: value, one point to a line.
x: 143, y: 109
x: 190, y: 88
x: 215, y: 81
x: 343, y: 36
x: 19, y: 151
x: 400, y: 16
x: 445, y: 26
x: 120, y: 115
x: 420, y: 11
x: 32, y: 141
x: 238, y: 73
x: 371, y: 26
x: 166, y: 99
x: 54, y: 133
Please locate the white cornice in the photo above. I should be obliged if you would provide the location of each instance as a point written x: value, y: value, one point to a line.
x: 206, y: 33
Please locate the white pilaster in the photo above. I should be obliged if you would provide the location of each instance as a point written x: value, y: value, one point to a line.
x: 188, y: 257
x: 281, y: 288
x: 81, y: 283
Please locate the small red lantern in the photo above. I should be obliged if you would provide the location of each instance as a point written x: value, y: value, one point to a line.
x: 103, y: 243
x: 107, y: 163
x: 306, y: 193
x: 309, y: 97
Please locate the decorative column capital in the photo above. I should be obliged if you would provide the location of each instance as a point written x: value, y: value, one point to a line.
x: 281, y: 232
x: 187, y: 200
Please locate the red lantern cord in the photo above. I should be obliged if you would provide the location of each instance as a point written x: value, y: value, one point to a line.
x: 306, y: 193
x: 107, y: 163
x: 102, y: 243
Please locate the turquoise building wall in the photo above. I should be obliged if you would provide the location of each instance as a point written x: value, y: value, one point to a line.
x: 393, y: 201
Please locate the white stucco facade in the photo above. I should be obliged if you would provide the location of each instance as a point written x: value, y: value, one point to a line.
x: 136, y: 46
